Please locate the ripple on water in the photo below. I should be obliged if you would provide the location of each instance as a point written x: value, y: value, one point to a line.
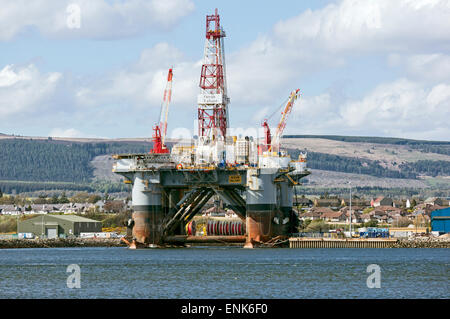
x: 224, y: 273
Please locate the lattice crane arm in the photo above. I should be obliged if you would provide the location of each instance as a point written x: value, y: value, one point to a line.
x: 165, y: 107
x: 284, y: 116
x: 160, y: 130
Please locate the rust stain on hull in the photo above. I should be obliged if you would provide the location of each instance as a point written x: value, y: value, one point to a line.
x: 148, y: 227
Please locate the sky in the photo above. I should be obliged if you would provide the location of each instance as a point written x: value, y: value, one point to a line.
x: 98, y: 68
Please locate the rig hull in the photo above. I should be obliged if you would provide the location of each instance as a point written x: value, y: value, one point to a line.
x: 166, y: 198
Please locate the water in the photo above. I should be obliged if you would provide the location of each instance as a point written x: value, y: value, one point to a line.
x: 224, y: 272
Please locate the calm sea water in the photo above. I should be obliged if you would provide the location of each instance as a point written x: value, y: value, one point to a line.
x: 225, y: 272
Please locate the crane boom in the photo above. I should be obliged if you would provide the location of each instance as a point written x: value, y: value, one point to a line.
x: 165, y: 107
x: 284, y: 116
x: 160, y: 130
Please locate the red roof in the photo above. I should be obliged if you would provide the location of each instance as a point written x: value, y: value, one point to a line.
x: 332, y: 215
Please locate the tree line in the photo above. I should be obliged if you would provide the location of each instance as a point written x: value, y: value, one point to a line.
x: 11, y: 187
x: 427, y: 167
x: 56, y: 161
x: 347, y: 164
x: 81, y: 197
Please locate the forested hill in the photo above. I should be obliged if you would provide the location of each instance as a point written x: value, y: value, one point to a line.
x: 26, y: 163
x: 56, y: 161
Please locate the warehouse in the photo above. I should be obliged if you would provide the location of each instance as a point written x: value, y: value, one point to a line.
x: 53, y: 226
x: 440, y: 220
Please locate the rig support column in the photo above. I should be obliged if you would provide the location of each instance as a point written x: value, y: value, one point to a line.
x: 261, y: 205
x: 148, y: 214
x: 285, y: 221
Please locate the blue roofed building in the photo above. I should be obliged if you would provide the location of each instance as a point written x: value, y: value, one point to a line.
x: 440, y: 220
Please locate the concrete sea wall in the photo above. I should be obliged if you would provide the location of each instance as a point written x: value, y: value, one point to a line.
x: 304, y: 242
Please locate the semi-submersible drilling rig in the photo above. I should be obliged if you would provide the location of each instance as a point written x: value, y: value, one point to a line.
x: 254, y: 178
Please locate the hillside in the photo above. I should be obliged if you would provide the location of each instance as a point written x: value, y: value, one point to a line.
x: 31, y: 163
x: 391, y: 155
x: 440, y: 147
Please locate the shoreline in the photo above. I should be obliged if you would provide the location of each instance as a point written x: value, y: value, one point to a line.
x: 59, y: 243
x: 422, y: 243
x: 79, y: 242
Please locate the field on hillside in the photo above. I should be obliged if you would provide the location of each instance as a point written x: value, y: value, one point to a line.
x: 322, y: 178
x: 102, y: 166
x: 386, y: 153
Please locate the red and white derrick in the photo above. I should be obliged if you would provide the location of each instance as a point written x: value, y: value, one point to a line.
x: 213, y: 100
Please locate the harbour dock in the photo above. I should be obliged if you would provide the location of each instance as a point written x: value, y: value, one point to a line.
x: 305, y: 242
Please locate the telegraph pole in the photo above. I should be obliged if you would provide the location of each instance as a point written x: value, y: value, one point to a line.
x: 350, y: 208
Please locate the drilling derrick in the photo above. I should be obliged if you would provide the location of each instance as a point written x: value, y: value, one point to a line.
x: 213, y: 100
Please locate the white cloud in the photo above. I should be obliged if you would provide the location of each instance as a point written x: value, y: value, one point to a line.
x: 265, y: 69
x: 70, y: 132
x: 355, y: 26
x: 141, y: 84
x: 432, y: 67
x: 263, y: 73
x: 25, y: 90
x: 100, y: 19
x: 401, y: 108
x: 439, y: 96
x: 328, y: 39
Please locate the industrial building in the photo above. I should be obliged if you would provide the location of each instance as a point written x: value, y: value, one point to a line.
x: 54, y: 226
x: 440, y: 220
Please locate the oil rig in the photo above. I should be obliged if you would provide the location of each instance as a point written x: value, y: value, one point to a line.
x: 254, y: 177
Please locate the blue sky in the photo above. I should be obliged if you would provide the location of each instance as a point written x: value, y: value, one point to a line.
x: 375, y: 68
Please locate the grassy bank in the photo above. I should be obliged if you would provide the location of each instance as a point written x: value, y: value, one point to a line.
x: 8, y: 224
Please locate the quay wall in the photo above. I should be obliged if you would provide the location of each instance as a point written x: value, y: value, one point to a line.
x: 304, y: 242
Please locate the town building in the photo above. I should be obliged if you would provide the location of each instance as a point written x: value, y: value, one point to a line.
x: 440, y: 220
x: 411, y: 230
x: 54, y: 226
x: 309, y: 215
x: 356, y: 216
x: 381, y: 201
x: 436, y: 201
x: 360, y: 202
x: 303, y: 201
x: 334, y: 217
x: 365, y: 218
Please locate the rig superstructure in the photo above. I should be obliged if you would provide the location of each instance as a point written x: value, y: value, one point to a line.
x: 255, y: 178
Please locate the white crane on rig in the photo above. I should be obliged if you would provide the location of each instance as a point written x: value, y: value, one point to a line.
x: 273, y: 143
x: 160, y: 130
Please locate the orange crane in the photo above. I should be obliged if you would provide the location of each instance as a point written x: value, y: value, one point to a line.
x: 160, y: 130
x: 274, y: 144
